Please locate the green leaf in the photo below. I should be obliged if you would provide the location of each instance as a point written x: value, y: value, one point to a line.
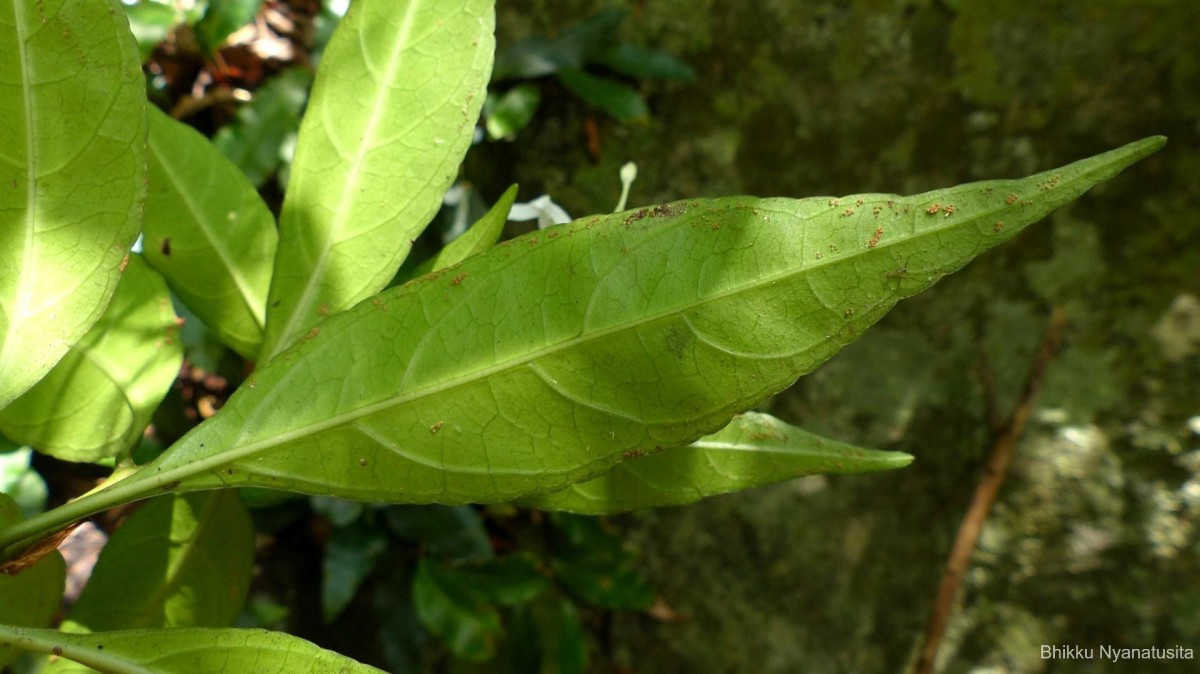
x: 451, y: 533
x: 456, y: 614
x: 72, y: 175
x: 753, y: 450
x: 222, y: 19
x: 185, y: 651
x: 621, y: 102
x: 392, y: 113
x: 511, y: 111
x: 481, y: 236
x: 151, y: 23
x: 580, y: 44
x: 99, y: 398
x: 350, y: 555
x: 254, y: 141
x: 545, y: 360
x: 31, y: 598
x: 640, y: 63
x: 508, y: 581
x: 209, y: 233
x: 19, y: 480
x: 594, y: 563
x: 178, y: 561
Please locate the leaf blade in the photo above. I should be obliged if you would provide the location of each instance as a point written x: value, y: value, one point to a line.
x: 403, y: 132
x: 185, y: 650
x: 753, y: 450
x: 481, y: 236
x: 69, y: 200
x: 178, y: 561
x: 209, y: 233
x: 630, y: 355
x: 99, y: 398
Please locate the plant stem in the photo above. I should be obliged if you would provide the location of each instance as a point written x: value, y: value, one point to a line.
x: 20, y: 536
x: 995, y: 471
x: 44, y: 641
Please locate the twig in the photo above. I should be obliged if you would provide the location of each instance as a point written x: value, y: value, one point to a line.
x: 994, y: 473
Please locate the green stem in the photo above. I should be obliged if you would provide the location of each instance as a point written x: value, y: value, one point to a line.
x: 52, y: 642
x: 118, y: 490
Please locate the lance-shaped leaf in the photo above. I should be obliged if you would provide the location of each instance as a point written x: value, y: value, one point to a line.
x: 185, y: 651
x: 379, y: 145
x: 209, y: 233
x: 179, y: 561
x: 547, y: 359
x: 481, y: 236
x: 753, y: 450
x: 72, y: 175
x: 99, y: 398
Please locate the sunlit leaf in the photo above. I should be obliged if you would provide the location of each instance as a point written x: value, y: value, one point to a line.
x: 552, y: 357
x: 185, y: 651
x: 209, y: 233
x: 753, y: 450
x: 99, y: 398
x: 19, y: 480
x: 72, y: 175
x: 481, y: 236
x: 511, y: 111
x: 380, y: 144
x: 178, y: 561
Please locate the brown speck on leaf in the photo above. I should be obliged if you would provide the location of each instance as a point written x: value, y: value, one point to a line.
x: 1011, y: 199
x: 998, y: 226
x: 848, y: 212
x: 875, y: 237
x: 716, y: 225
x: 323, y: 310
x: 848, y: 313
x: 858, y: 202
x: 1027, y: 202
x: 833, y: 203
x: 633, y: 453
x: 458, y: 279
x: 312, y: 333
x: 934, y: 208
x: 436, y: 427
x: 165, y: 248
x: 551, y: 234
x: 949, y: 209
x: 362, y: 462
x: 124, y: 263
x: 877, y: 210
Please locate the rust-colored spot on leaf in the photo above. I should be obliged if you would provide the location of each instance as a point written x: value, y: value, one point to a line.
x: 458, y: 279
x: 934, y: 208
x: 876, y: 237
x: 998, y: 226
x: 436, y: 427
x: 323, y: 310
x: 311, y: 334
x: 124, y: 263
x: 1011, y: 199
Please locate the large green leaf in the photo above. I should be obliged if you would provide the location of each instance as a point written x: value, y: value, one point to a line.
x: 179, y: 561
x: 392, y: 113
x: 99, y: 398
x: 72, y: 175
x: 548, y: 359
x: 753, y: 450
x: 32, y: 597
x: 185, y: 651
x: 209, y: 233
